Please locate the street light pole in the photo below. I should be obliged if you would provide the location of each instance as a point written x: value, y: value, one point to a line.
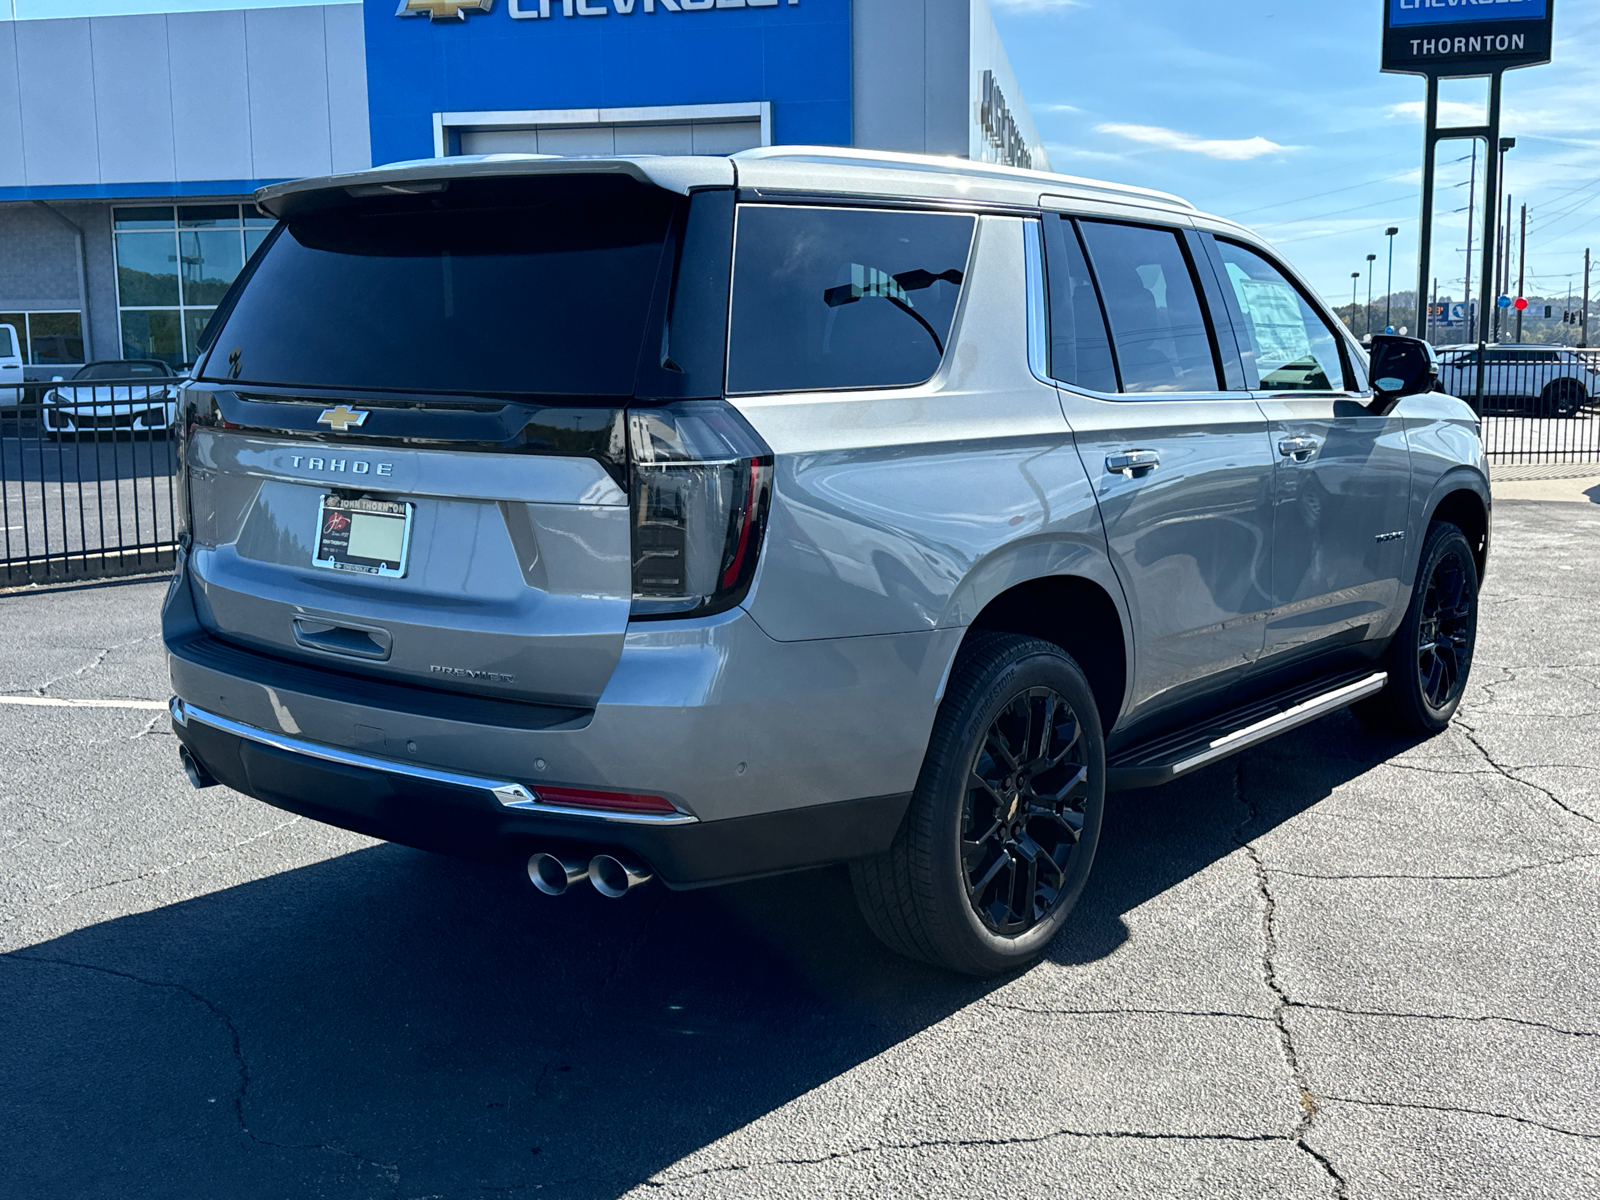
x: 1371, y: 258
x: 1355, y: 278
x: 1388, y: 303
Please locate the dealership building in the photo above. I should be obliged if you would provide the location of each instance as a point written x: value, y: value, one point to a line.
x: 133, y: 132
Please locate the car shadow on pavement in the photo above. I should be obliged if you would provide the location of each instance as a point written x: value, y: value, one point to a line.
x: 1155, y: 838
x: 391, y: 1023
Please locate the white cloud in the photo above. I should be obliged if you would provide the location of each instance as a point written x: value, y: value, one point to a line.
x: 1056, y: 108
x: 1035, y: 6
x: 1451, y: 112
x: 1234, y: 149
x: 1060, y: 151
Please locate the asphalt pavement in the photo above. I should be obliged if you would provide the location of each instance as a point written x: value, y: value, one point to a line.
x: 1339, y: 965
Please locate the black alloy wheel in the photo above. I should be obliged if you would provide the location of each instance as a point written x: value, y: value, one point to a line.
x: 1444, y: 634
x: 1564, y: 397
x: 1430, y: 655
x: 998, y: 841
x: 1024, y: 813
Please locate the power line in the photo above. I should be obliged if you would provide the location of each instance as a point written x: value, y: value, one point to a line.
x: 1319, y: 195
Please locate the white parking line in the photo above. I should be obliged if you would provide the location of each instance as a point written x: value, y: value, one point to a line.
x: 54, y: 702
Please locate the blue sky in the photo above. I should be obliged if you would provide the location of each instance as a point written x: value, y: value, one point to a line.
x: 1274, y: 113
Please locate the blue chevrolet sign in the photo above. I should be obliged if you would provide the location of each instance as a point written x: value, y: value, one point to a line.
x: 1456, y: 38
x: 1449, y: 12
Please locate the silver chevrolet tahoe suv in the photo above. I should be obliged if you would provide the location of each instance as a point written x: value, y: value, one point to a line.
x: 708, y: 518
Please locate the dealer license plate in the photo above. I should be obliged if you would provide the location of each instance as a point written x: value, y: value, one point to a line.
x: 371, y: 537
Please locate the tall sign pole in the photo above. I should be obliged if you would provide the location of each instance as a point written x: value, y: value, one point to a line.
x: 1439, y: 39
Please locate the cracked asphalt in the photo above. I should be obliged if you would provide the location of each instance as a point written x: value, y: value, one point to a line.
x: 1337, y: 966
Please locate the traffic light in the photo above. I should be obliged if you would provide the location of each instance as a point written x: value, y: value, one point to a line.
x: 1547, y: 312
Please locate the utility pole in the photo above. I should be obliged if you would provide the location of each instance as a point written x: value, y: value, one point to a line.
x: 1583, y: 330
x: 1388, y: 301
x: 1472, y: 209
x: 1522, y: 264
x: 1569, y: 295
x: 1432, y: 308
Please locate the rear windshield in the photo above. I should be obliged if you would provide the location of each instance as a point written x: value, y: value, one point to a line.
x: 491, y: 286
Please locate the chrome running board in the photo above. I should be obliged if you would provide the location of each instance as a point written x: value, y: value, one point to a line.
x: 1159, y: 762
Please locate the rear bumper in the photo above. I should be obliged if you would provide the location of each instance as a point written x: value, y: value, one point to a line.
x: 782, y: 755
x: 480, y: 817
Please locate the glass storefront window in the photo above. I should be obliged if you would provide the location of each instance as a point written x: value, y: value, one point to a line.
x: 152, y: 333
x: 147, y: 269
x: 55, y: 337
x: 208, y: 216
x: 174, y: 264
x: 143, y: 218
x: 47, y: 338
x: 210, y: 258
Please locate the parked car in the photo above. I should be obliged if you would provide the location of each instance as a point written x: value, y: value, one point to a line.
x: 711, y: 518
x: 1543, y: 381
x: 10, y: 367
x: 112, y: 394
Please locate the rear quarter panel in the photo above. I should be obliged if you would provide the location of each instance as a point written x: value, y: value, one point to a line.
x: 908, y: 509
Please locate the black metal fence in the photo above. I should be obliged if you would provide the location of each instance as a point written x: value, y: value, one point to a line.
x: 1539, y: 403
x: 86, y: 479
x: 86, y: 470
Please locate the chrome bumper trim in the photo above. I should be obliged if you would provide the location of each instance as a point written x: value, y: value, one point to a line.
x: 510, y: 795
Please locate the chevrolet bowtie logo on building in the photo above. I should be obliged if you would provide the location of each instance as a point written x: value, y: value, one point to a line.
x: 342, y: 417
x: 443, y: 10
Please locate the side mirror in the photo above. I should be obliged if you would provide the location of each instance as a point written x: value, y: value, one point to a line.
x: 1398, y: 367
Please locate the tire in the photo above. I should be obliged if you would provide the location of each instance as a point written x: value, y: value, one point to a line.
x: 918, y: 896
x: 1430, y: 655
x: 1564, y: 397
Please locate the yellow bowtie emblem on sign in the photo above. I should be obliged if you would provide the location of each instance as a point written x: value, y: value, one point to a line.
x: 443, y: 10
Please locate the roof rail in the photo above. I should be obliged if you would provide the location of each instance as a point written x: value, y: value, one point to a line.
x: 950, y: 165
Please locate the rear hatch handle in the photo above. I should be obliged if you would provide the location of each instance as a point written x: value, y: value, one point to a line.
x: 352, y: 641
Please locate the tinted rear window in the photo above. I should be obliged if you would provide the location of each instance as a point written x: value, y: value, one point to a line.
x: 842, y: 298
x: 1157, y: 324
x: 1080, y: 352
x: 492, y: 286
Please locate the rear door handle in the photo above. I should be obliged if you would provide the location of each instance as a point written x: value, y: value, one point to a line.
x: 1135, y: 464
x: 1300, y: 447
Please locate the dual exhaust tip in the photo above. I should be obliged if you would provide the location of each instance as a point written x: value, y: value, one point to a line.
x: 613, y: 875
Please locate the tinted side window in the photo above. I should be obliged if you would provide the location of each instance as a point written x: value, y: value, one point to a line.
x: 842, y: 298
x: 1157, y: 324
x: 1080, y: 350
x: 1291, y: 347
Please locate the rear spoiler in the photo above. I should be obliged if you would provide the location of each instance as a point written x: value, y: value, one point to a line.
x: 672, y: 173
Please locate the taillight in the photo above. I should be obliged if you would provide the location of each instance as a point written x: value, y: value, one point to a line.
x: 700, y: 483
x: 632, y: 802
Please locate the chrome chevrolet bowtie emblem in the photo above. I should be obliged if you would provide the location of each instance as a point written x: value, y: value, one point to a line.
x: 443, y: 10
x: 342, y: 417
